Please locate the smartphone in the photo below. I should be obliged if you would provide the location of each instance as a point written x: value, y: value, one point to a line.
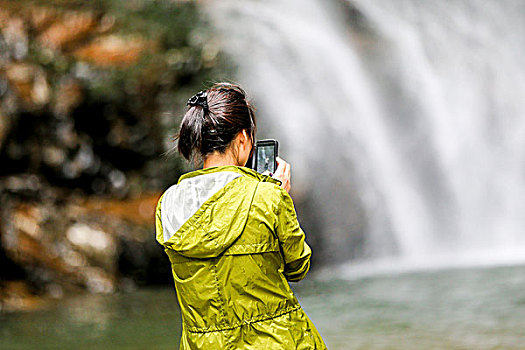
x: 265, y: 156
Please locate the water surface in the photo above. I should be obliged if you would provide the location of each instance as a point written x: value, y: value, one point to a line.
x: 452, y: 309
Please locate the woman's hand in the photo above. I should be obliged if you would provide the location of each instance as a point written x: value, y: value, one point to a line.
x: 283, y: 173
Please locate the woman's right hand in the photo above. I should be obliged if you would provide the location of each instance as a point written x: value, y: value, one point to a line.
x: 283, y: 174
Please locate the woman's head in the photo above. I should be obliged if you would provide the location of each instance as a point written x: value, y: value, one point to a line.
x: 214, y: 118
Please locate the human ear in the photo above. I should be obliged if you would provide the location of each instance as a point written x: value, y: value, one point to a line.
x: 244, y: 136
x: 241, y: 139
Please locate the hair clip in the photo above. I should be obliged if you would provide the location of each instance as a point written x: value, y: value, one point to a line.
x: 199, y: 99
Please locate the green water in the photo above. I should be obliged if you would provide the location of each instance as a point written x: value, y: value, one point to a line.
x: 148, y: 319
x: 454, y: 309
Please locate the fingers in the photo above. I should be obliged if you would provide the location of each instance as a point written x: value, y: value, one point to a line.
x: 286, y: 177
x: 280, y: 168
x: 283, y: 173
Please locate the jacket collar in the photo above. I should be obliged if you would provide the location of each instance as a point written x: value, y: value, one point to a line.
x: 232, y: 168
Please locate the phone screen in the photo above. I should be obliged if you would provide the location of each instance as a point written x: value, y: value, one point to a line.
x: 266, y: 158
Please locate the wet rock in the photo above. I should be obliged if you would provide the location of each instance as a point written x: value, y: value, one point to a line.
x: 30, y: 82
x: 14, y: 32
x: 5, y: 124
x: 91, y: 240
x: 98, y: 280
x: 139, y: 210
x: 18, y: 296
x: 69, y: 95
x: 54, y: 156
x: 96, y: 245
x: 67, y: 29
x: 41, y: 17
x: 113, y: 50
x: 28, y: 184
x: 80, y: 106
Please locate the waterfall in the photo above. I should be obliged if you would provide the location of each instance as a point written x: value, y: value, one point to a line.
x: 403, y: 120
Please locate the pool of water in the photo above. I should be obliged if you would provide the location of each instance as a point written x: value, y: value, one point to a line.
x: 449, y: 309
x: 147, y: 319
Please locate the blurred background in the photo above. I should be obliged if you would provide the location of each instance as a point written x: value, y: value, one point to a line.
x: 402, y: 119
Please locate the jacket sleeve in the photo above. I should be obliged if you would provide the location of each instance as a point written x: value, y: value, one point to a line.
x: 158, y: 222
x: 295, y: 250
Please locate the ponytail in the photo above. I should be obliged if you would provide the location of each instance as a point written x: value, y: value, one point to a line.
x: 190, y: 134
x: 213, y: 119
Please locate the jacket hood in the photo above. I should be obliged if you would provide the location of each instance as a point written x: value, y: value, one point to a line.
x: 207, y: 210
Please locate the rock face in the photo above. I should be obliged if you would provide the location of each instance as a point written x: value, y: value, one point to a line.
x: 87, y: 100
x: 98, y: 245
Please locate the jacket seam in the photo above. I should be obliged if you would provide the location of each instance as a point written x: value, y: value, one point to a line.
x: 241, y: 170
x: 245, y: 322
x: 245, y: 249
x: 221, y: 299
x: 222, y: 302
x: 201, y: 211
x: 247, y: 217
x: 192, y: 222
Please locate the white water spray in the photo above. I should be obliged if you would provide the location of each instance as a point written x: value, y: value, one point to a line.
x: 410, y: 122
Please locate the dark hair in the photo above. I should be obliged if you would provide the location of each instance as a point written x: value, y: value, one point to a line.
x: 211, y: 127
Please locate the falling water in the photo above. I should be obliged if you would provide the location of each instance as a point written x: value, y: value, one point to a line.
x: 403, y: 120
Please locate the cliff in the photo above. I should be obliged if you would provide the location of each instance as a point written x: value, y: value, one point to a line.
x: 89, y: 94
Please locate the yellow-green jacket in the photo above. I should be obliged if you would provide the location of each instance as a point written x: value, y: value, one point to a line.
x: 234, y: 242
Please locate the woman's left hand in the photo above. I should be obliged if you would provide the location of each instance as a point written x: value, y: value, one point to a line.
x: 283, y: 174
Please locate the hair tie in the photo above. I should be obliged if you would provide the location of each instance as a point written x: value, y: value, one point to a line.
x: 199, y: 99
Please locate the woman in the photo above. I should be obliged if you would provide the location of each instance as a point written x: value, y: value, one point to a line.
x: 232, y: 235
